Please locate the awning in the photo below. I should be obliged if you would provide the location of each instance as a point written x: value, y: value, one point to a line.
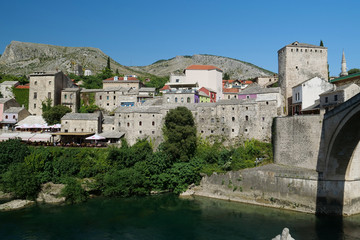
x: 95, y: 137
x: 6, y: 136
x: 43, y: 137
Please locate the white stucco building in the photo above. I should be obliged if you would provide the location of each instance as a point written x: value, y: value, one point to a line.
x: 207, y: 76
x: 306, y: 94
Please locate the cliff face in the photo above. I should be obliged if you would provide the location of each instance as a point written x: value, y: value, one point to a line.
x: 235, y: 68
x: 24, y: 58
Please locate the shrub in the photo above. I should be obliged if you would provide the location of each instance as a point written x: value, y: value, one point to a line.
x: 73, y: 192
x: 21, y: 181
x: 12, y: 151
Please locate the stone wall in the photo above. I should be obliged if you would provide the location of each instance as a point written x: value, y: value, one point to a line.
x: 297, y: 140
x: 270, y: 185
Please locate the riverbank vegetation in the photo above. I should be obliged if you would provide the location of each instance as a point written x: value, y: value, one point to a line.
x: 126, y: 170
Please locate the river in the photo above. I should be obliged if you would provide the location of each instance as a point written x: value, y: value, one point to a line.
x: 169, y: 217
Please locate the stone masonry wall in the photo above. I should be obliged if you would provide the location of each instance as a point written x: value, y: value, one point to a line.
x: 297, y: 140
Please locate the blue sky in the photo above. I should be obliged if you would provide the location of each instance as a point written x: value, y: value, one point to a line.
x: 140, y: 32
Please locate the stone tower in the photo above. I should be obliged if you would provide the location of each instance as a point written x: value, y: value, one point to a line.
x: 299, y: 62
x: 46, y: 85
x: 343, y: 66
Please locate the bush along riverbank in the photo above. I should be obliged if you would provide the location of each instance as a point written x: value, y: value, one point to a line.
x: 127, y: 170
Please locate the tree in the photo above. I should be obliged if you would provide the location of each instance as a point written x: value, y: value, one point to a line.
x: 321, y: 43
x: 12, y: 151
x: 54, y: 114
x: 108, y: 64
x: 180, y: 134
x: 353, y: 70
x: 226, y: 76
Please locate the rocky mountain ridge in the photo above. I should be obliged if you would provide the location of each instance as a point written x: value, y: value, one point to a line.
x: 21, y: 58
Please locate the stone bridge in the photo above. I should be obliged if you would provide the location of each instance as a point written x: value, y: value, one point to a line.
x: 339, y: 160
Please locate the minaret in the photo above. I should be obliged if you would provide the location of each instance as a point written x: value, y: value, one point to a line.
x: 343, y: 66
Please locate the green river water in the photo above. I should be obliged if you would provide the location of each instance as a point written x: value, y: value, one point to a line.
x: 169, y: 217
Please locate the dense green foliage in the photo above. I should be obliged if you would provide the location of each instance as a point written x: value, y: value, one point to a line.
x: 180, y: 134
x: 353, y: 70
x: 53, y: 114
x: 7, y: 77
x: 22, y: 96
x: 73, y: 191
x: 126, y: 170
x: 226, y: 76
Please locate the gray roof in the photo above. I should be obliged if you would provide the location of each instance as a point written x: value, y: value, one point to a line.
x: 81, y: 116
x: 297, y: 44
x: 147, y: 89
x: 9, y: 83
x: 112, y: 134
x: 14, y: 110
x: 338, y: 89
x: 109, y: 119
x: 71, y: 89
x: 4, y: 100
x: 84, y: 90
x: 32, y: 120
x: 256, y: 88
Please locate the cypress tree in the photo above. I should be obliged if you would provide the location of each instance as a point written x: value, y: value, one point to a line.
x: 321, y: 43
x: 108, y: 63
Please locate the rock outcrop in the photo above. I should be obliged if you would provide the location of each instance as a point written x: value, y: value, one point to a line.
x: 285, y: 235
x: 15, y: 204
x: 51, y: 193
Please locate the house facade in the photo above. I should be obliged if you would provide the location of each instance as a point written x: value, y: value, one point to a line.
x: 332, y: 98
x: 6, y: 88
x: 306, y: 93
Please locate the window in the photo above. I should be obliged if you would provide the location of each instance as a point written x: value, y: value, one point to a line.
x: 246, y: 118
x: 107, y: 97
x: 228, y: 96
x: 34, y: 105
x: 13, y: 116
x: 114, y: 97
x: 100, y: 97
x: 182, y: 99
x: 140, y: 123
x: 168, y: 99
x: 335, y: 97
x: 82, y: 130
x: 212, y: 120
x: 119, y: 124
x: 176, y: 100
x: 153, y: 123
x: 232, y: 130
x: 233, y: 108
x: 35, y: 83
x: 202, y: 131
x: 233, y: 119
x: 177, y: 80
x: 246, y: 108
x: 263, y: 118
x: 188, y: 100
x: 326, y: 99
x: 212, y: 131
x: 107, y: 104
x: 35, y: 95
x: 223, y: 119
x: 247, y: 97
x: 153, y: 132
x: 267, y: 103
x: 140, y: 132
x: 74, y: 129
x: 65, y: 96
x: 49, y: 95
x: 246, y: 130
x: 128, y: 124
x: 49, y: 82
x: 6, y: 117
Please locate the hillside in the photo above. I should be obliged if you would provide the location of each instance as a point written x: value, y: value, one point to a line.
x: 235, y: 68
x: 24, y: 58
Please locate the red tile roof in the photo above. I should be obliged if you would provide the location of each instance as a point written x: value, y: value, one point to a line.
x: 230, y: 90
x: 246, y: 82
x: 202, y: 67
x: 166, y: 87
x: 26, y: 86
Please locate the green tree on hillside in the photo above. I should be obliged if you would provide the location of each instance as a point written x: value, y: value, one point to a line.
x: 180, y: 134
x: 108, y: 64
x: 226, y: 76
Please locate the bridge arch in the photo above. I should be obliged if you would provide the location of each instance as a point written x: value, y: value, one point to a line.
x: 343, y: 153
